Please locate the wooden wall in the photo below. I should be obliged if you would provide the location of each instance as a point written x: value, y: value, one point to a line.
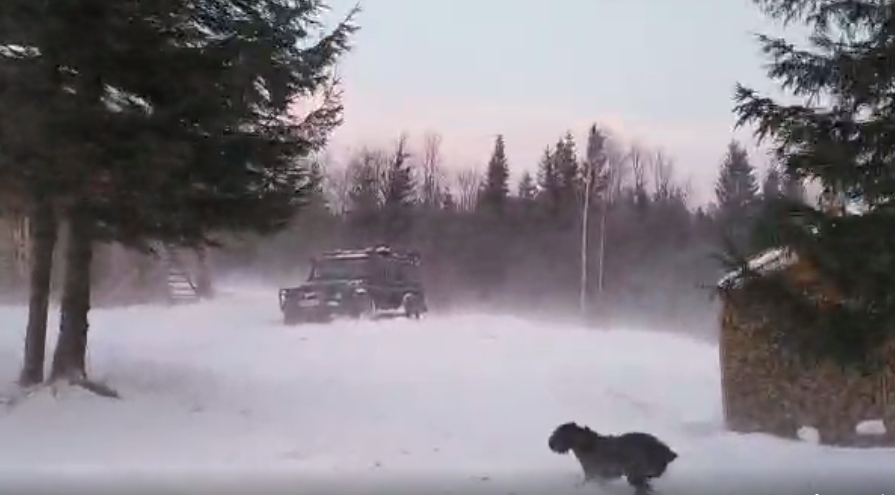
x: 764, y: 390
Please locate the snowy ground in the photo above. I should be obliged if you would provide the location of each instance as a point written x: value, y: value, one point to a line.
x: 221, y: 395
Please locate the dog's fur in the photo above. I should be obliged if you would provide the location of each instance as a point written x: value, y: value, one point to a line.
x: 639, y: 457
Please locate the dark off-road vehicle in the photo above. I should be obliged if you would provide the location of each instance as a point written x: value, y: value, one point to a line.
x: 364, y: 283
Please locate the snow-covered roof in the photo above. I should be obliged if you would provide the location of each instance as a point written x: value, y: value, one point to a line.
x: 778, y: 258
x: 344, y: 256
x: 767, y: 261
x: 347, y: 254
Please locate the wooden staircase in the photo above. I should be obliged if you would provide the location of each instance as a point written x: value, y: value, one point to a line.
x: 180, y: 286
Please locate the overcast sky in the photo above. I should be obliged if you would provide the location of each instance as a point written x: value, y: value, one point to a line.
x: 659, y: 72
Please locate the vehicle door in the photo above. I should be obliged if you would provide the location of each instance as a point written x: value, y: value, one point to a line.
x: 391, y: 292
x: 376, y: 279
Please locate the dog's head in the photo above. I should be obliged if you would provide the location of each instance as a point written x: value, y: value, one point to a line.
x: 566, y: 437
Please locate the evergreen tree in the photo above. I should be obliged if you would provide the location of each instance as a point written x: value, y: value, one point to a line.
x: 772, y: 185
x: 565, y: 159
x: 846, y: 144
x: 595, y: 163
x: 549, y: 184
x: 496, y: 188
x: 736, y: 197
x: 26, y: 175
x: 771, y: 212
x: 792, y: 188
x: 173, y: 131
x: 736, y: 189
x: 399, y: 196
x: 364, y: 199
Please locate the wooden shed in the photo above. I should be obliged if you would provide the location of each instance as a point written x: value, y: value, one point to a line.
x: 766, y: 390
x: 14, y: 252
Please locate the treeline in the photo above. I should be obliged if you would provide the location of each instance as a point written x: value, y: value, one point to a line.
x: 492, y: 243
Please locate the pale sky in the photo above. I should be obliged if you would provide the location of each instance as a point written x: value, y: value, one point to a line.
x: 659, y: 72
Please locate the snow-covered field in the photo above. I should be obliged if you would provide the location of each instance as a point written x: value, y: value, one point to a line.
x: 221, y: 396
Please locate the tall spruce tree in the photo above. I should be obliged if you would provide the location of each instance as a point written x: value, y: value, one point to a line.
x: 736, y: 189
x: 568, y: 170
x: 171, y: 122
x: 772, y: 185
x: 399, y: 197
x: 496, y: 188
x: 365, y: 199
x: 595, y: 165
x: 791, y: 188
x: 771, y: 211
x: 737, y: 198
x: 846, y: 142
x: 549, y: 184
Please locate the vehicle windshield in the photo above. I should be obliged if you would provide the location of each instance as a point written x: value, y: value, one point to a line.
x: 340, y: 269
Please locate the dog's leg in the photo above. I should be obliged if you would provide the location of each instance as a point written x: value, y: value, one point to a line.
x: 602, y: 482
x: 641, y: 485
x: 586, y: 479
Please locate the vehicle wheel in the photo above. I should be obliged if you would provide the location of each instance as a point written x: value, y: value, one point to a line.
x: 412, y: 307
x: 290, y: 319
x: 366, y: 309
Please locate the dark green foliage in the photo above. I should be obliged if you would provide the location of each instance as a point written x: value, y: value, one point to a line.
x: 399, y: 196
x: 165, y: 120
x: 495, y: 191
x: 792, y: 188
x: 594, y: 167
x: 737, y: 199
x: 365, y: 196
x: 568, y: 173
x: 772, y: 186
x: 846, y: 143
x: 566, y: 159
x: 244, y: 158
x: 549, y: 184
x: 736, y: 190
x: 196, y: 115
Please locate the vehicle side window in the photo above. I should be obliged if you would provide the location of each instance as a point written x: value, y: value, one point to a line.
x: 409, y: 273
x: 398, y: 275
x: 378, y: 270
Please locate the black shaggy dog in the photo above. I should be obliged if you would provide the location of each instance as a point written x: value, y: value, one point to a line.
x: 639, y: 457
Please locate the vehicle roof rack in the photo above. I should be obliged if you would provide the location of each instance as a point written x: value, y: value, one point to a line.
x: 377, y: 250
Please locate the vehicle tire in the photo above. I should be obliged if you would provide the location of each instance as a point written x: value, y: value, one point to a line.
x: 412, y: 307
x: 290, y: 318
x: 366, y: 309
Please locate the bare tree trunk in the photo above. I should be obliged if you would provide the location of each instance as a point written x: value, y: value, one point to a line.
x: 69, y: 358
x: 43, y: 242
x: 585, y: 216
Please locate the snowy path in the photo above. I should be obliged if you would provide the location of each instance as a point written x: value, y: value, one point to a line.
x: 223, y: 387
